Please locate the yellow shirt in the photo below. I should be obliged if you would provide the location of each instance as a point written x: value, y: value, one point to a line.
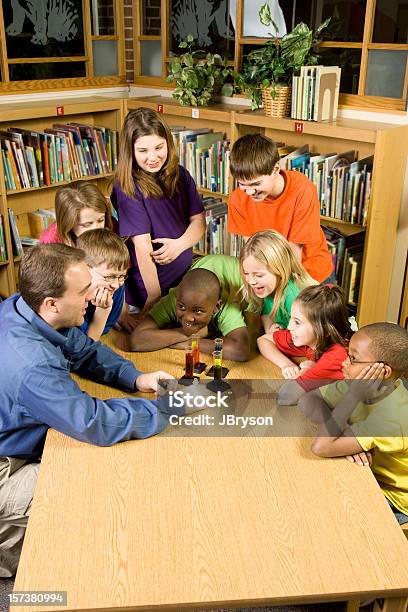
x: 382, y: 426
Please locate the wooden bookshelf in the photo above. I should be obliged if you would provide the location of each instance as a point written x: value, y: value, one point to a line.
x: 387, y: 142
x: 37, y: 116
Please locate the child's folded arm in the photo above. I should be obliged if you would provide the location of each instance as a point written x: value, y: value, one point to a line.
x: 334, y: 438
x: 269, y: 350
x: 149, y: 337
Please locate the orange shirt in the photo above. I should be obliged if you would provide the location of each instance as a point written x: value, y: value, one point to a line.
x: 295, y: 214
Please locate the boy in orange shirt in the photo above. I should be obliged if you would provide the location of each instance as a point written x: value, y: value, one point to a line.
x: 284, y: 200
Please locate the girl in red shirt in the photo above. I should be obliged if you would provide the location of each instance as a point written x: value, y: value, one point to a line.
x: 318, y: 330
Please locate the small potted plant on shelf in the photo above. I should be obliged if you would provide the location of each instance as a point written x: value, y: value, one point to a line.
x: 267, y: 71
x: 199, y: 75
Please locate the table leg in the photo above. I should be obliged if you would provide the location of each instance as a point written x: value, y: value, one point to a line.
x: 392, y: 604
x: 353, y: 605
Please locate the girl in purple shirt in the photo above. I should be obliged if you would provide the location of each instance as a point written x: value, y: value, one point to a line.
x: 158, y: 207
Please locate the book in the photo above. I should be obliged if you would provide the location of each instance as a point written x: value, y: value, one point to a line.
x: 327, y: 89
x: 15, y: 236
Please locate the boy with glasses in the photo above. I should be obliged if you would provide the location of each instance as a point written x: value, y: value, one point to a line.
x: 108, y: 261
x: 365, y: 417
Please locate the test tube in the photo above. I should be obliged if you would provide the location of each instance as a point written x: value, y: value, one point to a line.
x: 195, y: 345
x: 218, y: 342
x: 189, y: 368
x: 217, y: 356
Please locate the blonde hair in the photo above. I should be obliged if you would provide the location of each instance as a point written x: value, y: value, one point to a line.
x: 104, y: 246
x: 70, y: 200
x: 274, y: 252
x: 138, y: 123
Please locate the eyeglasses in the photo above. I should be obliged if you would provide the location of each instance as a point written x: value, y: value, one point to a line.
x: 353, y: 361
x: 110, y: 278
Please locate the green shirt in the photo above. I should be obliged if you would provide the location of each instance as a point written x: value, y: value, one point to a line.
x: 229, y: 316
x: 283, y: 315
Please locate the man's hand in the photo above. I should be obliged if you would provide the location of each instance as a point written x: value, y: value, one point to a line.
x: 363, y: 458
x: 368, y: 382
x: 171, y: 249
x: 291, y: 372
x: 103, y: 298
x: 149, y: 381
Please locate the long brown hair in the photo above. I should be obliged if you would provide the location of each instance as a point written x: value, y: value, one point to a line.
x: 274, y: 252
x: 324, y: 306
x: 138, y: 123
x: 70, y: 200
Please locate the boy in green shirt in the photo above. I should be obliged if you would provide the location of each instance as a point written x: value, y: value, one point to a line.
x: 206, y: 302
x: 365, y: 417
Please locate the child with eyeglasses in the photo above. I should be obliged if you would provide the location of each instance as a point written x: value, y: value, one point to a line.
x: 108, y: 261
x: 365, y: 416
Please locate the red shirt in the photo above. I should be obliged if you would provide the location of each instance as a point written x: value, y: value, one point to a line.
x: 326, y: 369
x: 295, y: 214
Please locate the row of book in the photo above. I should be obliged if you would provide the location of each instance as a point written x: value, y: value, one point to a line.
x: 215, y: 239
x: 315, y: 93
x: 343, y: 183
x: 347, y: 254
x: 206, y: 155
x: 64, y: 152
x: 3, y: 247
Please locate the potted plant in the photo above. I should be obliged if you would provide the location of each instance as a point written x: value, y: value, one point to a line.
x: 271, y: 66
x: 199, y: 75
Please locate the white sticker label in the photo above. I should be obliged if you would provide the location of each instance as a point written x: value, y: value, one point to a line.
x: 195, y: 113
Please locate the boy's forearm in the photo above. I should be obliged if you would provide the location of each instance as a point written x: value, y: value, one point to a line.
x: 343, y: 410
x: 97, y: 325
x: 231, y: 349
x: 155, y: 339
x: 269, y: 350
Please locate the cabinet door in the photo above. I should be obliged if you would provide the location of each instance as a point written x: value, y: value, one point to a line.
x: 403, y: 318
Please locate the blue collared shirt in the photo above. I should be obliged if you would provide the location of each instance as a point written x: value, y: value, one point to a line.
x: 37, y: 391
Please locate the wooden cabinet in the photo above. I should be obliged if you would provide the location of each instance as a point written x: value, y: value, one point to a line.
x: 99, y: 111
x: 387, y: 142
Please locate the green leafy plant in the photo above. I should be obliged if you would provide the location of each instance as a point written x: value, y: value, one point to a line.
x: 199, y: 75
x: 278, y: 59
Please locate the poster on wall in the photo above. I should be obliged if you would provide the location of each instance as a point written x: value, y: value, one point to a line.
x: 208, y: 21
x: 43, y: 28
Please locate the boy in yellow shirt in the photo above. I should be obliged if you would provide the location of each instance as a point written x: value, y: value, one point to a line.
x: 365, y: 416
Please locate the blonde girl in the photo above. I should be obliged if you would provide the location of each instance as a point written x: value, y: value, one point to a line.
x: 79, y: 207
x: 272, y: 278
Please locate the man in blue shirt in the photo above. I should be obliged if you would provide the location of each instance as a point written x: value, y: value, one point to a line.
x: 40, y: 346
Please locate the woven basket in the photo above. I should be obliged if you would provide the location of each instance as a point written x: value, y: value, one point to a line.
x: 280, y: 105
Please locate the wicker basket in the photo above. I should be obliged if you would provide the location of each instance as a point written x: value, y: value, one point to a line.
x: 280, y: 105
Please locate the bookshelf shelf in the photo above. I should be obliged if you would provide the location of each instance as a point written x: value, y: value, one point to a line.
x: 388, y: 143
x: 215, y: 194
x: 346, y: 227
x: 93, y: 177
x: 99, y: 113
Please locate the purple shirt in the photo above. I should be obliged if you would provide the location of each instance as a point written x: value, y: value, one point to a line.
x: 161, y: 218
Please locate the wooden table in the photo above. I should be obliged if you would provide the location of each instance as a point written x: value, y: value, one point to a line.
x: 183, y: 523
